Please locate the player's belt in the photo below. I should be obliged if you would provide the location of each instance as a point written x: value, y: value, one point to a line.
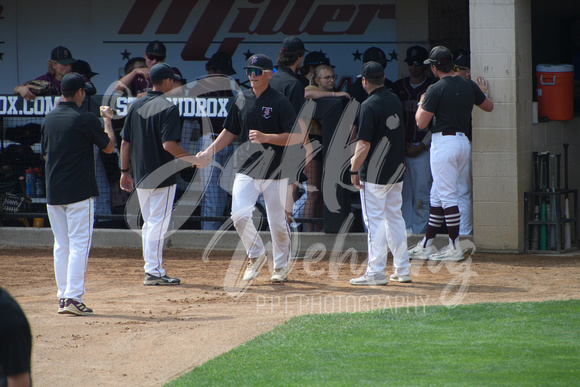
x: 452, y: 133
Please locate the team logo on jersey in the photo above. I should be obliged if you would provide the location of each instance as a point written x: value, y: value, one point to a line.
x: 393, y: 122
x: 266, y: 112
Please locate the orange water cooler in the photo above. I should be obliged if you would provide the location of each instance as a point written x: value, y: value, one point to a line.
x: 555, y: 91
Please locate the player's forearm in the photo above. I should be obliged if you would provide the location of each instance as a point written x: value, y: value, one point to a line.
x: 422, y: 117
x: 109, y: 130
x: 125, y: 155
x: 360, y: 154
x: 224, y: 139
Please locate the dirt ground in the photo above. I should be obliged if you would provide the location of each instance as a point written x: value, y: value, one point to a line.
x: 146, y: 336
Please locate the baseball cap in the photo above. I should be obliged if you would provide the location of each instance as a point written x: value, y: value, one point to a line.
x: 222, y: 62
x: 292, y: 44
x: 416, y: 55
x: 156, y: 48
x: 372, y: 70
x: 84, y: 68
x: 62, y: 55
x: 439, y: 55
x: 375, y: 54
x: 72, y: 82
x: 260, y: 61
x: 461, y: 59
x: 316, y: 58
x: 162, y: 71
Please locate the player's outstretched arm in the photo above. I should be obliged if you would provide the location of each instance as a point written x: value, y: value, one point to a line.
x: 107, y: 114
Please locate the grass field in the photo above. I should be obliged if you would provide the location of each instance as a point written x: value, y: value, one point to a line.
x: 480, y: 344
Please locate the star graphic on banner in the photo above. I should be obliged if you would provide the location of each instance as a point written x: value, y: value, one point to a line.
x: 357, y: 55
x: 1, y: 56
x: 126, y: 54
x: 248, y: 54
x: 393, y: 56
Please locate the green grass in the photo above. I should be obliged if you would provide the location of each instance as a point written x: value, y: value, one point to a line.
x: 534, y: 344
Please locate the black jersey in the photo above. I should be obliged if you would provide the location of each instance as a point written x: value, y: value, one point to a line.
x: 68, y: 136
x: 451, y: 100
x: 151, y: 121
x: 270, y: 113
x: 380, y: 123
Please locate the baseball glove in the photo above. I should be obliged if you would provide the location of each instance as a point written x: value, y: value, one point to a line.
x: 38, y: 87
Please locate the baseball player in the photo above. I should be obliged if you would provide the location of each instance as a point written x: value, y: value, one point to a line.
x: 417, y: 180
x: 67, y: 138
x: 464, y: 184
x: 151, y: 136
x: 376, y: 169
x: 450, y: 101
x: 265, y: 117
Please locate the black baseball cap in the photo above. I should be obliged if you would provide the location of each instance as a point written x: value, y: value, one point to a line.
x: 375, y: 54
x: 162, y: 71
x: 62, y: 55
x: 260, y: 61
x: 292, y: 45
x: 372, y: 70
x: 222, y: 62
x: 84, y: 68
x: 461, y: 59
x: 156, y: 48
x: 416, y: 55
x: 316, y: 58
x: 439, y: 55
x: 72, y: 82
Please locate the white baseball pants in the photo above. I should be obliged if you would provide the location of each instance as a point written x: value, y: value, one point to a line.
x: 72, y: 226
x: 417, y: 182
x: 156, y: 208
x: 244, y: 195
x: 465, y: 198
x: 449, y: 155
x: 381, y: 209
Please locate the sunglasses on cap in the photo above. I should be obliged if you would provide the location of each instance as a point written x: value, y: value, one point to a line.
x: 158, y: 58
x: 256, y: 72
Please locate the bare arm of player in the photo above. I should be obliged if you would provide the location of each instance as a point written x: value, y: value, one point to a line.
x: 24, y: 92
x: 315, y: 94
x: 107, y: 114
x: 487, y: 105
x: 281, y: 139
x: 177, y: 150
x: 123, y: 83
x: 126, y: 178
x: 224, y: 139
x: 360, y: 154
x: 422, y: 117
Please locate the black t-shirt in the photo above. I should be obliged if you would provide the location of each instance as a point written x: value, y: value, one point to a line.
x: 68, y: 136
x: 270, y: 113
x: 151, y: 121
x: 15, y: 338
x: 357, y: 92
x: 380, y: 123
x: 286, y: 82
x: 451, y: 100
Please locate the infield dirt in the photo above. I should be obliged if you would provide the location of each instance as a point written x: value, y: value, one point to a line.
x: 147, y: 335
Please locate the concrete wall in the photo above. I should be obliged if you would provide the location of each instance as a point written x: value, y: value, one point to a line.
x: 503, y: 141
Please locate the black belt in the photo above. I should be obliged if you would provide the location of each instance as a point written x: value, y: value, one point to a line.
x: 449, y: 133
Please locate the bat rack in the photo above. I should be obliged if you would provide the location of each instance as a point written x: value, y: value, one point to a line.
x: 553, y: 228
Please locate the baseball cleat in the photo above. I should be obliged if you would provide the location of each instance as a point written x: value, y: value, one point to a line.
x: 448, y: 254
x: 254, y: 266
x: 420, y: 252
x: 370, y: 280
x: 280, y: 275
x: 401, y: 279
x: 61, y: 305
x: 76, y: 307
x: 164, y: 280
